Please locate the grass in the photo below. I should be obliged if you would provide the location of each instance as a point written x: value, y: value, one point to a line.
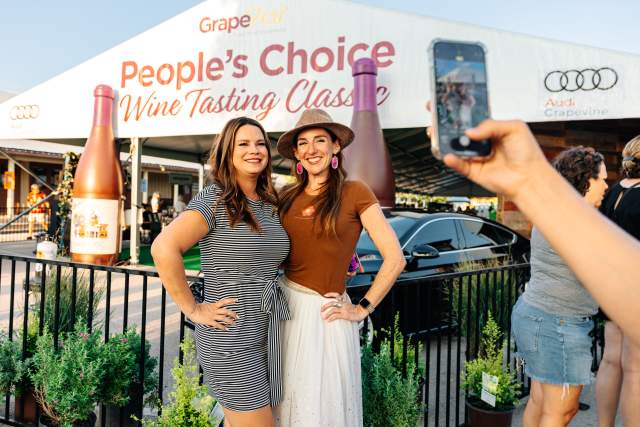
x: 191, y: 258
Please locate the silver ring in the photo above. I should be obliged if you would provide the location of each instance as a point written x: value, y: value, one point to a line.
x: 337, y: 304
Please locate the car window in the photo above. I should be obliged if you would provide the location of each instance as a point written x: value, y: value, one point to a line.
x: 400, y: 224
x: 479, y: 233
x: 441, y: 234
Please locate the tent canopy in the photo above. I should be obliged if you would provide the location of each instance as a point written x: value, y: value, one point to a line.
x: 179, y: 82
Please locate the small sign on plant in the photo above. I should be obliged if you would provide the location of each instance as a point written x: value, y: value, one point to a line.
x: 489, y: 389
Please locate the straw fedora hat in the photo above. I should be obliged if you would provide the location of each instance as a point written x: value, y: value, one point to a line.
x: 313, y: 118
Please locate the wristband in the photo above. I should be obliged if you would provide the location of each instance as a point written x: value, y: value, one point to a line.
x: 366, y: 304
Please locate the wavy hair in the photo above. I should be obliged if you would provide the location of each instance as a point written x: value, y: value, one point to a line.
x: 223, y: 173
x: 631, y: 159
x: 327, y: 204
x: 577, y: 165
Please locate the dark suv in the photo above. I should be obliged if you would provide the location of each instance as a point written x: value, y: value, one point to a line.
x: 436, y: 242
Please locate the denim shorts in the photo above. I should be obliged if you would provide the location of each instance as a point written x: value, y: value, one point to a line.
x: 554, y: 349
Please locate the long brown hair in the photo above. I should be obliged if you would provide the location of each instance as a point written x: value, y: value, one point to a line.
x: 223, y: 173
x: 327, y: 204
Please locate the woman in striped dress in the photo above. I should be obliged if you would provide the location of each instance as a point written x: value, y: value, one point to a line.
x: 324, y: 215
x: 242, y: 243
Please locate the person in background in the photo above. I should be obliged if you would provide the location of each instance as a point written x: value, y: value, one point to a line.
x: 619, y: 372
x: 552, y: 319
x: 39, y: 214
x: 179, y: 206
x: 155, y: 202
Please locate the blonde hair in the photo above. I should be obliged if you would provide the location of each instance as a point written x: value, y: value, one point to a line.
x: 631, y: 158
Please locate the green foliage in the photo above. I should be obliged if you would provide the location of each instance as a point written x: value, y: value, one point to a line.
x: 490, y: 360
x: 389, y: 399
x: 66, y: 322
x: 119, y: 369
x: 12, y: 369
x: 189, y: 403
x: 129, y: 344
x: 67, y: 381
x: 475, y: 295
x: 65, y: 195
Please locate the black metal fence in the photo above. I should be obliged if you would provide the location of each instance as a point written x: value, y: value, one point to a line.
x: 20, y: 229
x: 439, y: 317
x: 35, y: 295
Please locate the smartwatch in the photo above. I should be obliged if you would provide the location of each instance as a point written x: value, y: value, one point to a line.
x: 366, y: 304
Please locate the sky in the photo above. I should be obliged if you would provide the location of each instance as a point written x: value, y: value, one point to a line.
x: 40, y: 39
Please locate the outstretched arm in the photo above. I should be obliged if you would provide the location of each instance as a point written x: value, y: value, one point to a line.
x: 602, y: 255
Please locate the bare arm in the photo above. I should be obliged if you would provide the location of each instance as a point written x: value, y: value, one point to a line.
x: 602, y: 256
x: 393, y: 263
x: 387, y: 243
x: 167, y: 250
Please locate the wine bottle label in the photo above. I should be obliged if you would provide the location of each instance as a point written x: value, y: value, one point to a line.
x: 94, y: 226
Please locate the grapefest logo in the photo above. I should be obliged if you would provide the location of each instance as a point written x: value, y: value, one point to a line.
x: 257, y: 17
x: 227, y: 25
x: 198, y: 88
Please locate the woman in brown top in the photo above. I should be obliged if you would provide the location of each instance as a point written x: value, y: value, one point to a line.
x: 323, y: 215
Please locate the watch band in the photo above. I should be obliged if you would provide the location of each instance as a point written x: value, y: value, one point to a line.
x: 366, y: 304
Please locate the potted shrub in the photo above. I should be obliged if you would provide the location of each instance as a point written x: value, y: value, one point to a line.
x: 12, y: 368
x: 389, y: 398
x: 119, y: 368
x: 67, y: 319
x: 67, y: 381
x: 25, y: 402
x: 189, y: 403
x: 490, y: 361
x: 123, y: 397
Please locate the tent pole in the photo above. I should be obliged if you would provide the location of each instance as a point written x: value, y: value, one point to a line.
x: 176, y: 193
x: 136, y: 166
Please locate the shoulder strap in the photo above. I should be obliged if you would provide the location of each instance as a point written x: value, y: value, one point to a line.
x: 622, y: 194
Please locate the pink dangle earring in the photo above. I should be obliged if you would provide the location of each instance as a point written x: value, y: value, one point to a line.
x: 299, y: 168
x: 334, y: 162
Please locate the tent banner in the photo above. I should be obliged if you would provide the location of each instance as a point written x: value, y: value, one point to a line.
x: 270, y: 60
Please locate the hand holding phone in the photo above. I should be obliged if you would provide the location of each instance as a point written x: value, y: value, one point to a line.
x: 460, y: 97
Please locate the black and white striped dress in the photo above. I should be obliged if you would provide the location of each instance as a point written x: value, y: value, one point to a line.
x: 242, y: 365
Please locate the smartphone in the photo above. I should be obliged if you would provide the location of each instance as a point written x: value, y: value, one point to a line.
x: 460, y: 99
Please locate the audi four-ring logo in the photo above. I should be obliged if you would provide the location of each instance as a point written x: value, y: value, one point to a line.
x: 587, y: 79
x: 23, y: 112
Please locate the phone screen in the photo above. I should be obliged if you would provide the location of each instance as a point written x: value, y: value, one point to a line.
x: 461, y: 96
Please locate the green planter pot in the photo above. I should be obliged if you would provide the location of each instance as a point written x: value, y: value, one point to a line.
x: 480, y: 417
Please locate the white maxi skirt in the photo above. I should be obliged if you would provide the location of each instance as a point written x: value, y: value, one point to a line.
x: 320, y: 365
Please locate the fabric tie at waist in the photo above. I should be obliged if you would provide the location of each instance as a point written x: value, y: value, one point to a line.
x: 275, y: 304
